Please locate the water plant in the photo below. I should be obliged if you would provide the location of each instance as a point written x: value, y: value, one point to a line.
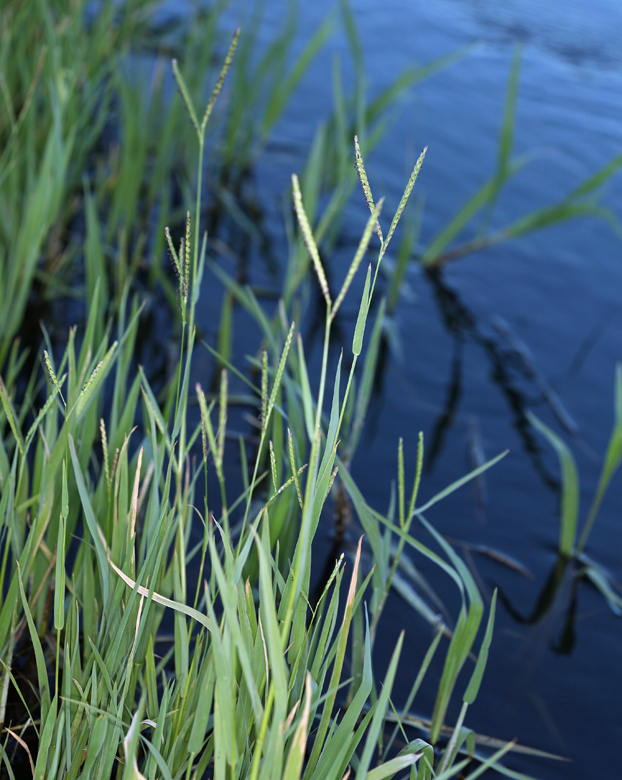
x: 572, y: 543
x: 170, y: 633
x: 582, y: 201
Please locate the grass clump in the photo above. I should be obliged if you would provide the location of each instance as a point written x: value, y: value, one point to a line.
x: 171, y: 625
x: 158, y: 651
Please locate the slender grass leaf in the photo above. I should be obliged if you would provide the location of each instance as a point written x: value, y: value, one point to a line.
x: 91, y: 522
x: 10, y: 415
x: 392, y: 767
x: 337, y: 670
x: 612, y: 459
x: 482, y: 659
x: 305, y: 390
x: 59, y: 580
x: 359, y: 330
x: 570, y: 487
x: 290, y: 77
x: 378, y: 717
x: 460, y: 482
x: 346, y: 728
x: 96, y: 742
x: 411, y: 76
x: 42, y: 677
x: 46, y: 741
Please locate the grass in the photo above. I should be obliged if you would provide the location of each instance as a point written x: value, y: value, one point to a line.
x: 582, y: 201
x: 97, y: 520
x: 573, y: 562
x: 157, y: 620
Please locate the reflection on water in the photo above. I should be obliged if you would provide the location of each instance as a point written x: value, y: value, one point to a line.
x: 511, y: 369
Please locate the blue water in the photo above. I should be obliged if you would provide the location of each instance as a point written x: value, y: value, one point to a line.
x: 558, y: 291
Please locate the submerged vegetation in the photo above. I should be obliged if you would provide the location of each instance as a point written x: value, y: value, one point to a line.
x: 161, y: 614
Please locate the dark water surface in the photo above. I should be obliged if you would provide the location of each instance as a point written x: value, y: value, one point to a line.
x: 559, y: 292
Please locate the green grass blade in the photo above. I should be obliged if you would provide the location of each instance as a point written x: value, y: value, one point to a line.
x: 611, y: 462
x: 42, y: 678
x: 392, y: 767
x: 570, y: 487
x: 96, y: 742
x: 10, y: 415
x: 336, y: 673
x: 482, y: 659
x: 363, y: 396
x: 506, y: 136
x: 459, y: 221
x: 346, y: 728
x: 361, y: 320
x: 556, y: 214
x: 91, y: 522
x: 596, y: 179
x: 305, y: 390
x: 411, y: 76
x: 282, y: 91
x: 460, y: 482
x: 185, y: 93
x: 46, y: 742
x: 377, y: 722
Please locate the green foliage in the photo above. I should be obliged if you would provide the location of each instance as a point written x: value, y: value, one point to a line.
x: 569, y: 544
x: 55, y: 105
x: 159, y: 651
x: 580, y: 202
x: 256, y: 665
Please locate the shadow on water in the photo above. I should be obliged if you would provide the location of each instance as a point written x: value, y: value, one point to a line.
x: 559, y: 595
x: 512, y: 371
